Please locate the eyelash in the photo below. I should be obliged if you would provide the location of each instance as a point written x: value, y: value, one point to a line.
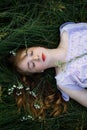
x: 31, y: 53
x: 33, y: 64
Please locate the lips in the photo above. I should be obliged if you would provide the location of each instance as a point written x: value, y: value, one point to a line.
x: 43, y: 57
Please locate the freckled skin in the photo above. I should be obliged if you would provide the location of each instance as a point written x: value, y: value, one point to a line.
x: 40, y: 59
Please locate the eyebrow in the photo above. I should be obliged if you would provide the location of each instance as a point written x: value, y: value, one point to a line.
x: 26, y: 51
x: 25, y: 55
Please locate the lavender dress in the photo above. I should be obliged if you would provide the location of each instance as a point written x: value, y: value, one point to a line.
x: 74, y: 75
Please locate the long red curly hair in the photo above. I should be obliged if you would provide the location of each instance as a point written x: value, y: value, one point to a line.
x: 47, y: 102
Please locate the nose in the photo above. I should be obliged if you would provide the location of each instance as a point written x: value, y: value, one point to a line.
x: 36, y: 58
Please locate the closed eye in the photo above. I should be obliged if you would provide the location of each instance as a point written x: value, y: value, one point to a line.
x: 31, y: 65
x: 28, y: 65
x: 31, y: 53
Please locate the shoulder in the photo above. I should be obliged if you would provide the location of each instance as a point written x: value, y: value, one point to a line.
x: 64, y: 31
x: 64, y: 36
x: 64, y: 40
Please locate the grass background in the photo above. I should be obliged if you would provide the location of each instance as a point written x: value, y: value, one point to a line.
x: 31, y: 23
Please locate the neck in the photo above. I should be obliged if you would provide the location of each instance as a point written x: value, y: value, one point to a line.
x: 55, y: 56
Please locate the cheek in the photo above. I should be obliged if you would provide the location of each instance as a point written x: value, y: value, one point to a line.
x: 39, y: 67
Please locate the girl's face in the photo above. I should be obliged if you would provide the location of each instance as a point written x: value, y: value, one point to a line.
x: 32, y: 60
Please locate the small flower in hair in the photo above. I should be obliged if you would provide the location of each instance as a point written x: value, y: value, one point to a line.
x: 32, y: 93
x: 27, y: 117
x: 13, y: 53
x: 37, y: 106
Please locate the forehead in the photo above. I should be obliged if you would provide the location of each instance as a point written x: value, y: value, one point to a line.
x: 23, y: 65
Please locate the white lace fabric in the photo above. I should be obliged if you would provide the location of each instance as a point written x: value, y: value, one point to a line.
x: 74, y: 75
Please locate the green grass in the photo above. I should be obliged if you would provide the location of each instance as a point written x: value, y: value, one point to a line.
x: 31, y: 23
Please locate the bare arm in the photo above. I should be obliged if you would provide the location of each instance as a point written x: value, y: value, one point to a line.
x: 78, y: 95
